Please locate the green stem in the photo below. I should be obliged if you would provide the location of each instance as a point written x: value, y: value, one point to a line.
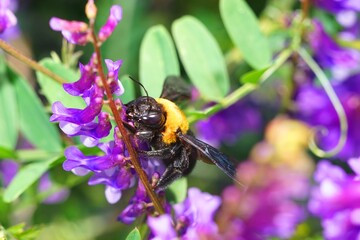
x: 34, y: 65
x: 241, y: 91
x: 335, y: 102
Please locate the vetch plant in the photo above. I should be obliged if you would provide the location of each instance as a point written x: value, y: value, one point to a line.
x: 262, y: 83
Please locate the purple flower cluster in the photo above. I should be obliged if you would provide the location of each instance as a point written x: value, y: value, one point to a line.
x: 336, y: 200
x: 112, y: 167
x: 193, y: 219
x: 336, y: 6
x: 268, y: 208
x: 316, y: 109
x: 330, y: 55
x: 77, y: 32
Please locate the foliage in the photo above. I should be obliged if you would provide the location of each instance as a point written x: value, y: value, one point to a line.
x: 265, y: 86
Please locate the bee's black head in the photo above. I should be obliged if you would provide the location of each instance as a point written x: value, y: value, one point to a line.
x: 145, y: 112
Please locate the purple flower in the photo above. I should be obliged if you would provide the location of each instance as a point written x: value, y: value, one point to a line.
x: 58, y: 196
x: 115, y: 179
x: 113, y: 76
x: 336, y: 6
x: 267, y: 208
x: 162, y: 227
x: 341, y: 61
x: 7, y: 17
x: 79, y: 116
x: 110, y: 25
x: 75, y: 32
x: 226, y: 125
x: 137, y: 206
x: 111, y: 169
x: 85, y: 82
x: 89, y: 133
x: 8, y: 169
x: 140, y: 203
x: 76, y: 160
x: 194, y: 218
x: 315, y: 108
x: 336, y: 200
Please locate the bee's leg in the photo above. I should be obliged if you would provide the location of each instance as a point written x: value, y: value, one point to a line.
x: 180, y: 166
x: 169, y: 176
x: 163, y: 153
x: 129, y: 127
x: 145, y: 135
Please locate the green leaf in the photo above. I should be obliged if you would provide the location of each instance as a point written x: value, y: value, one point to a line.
x: 34, y: 122
x: 7, y: 153
x: 53, y: 90
x: 355, y: 44
x: 243, y: 28
x: 9, y: 124
x: 134, y: 235
x: 177, y: 191
x: 157, y: 59
x: 201, y: 57
x: 26, y: 176
x: 19, y: 232
x: 16, y: 229
x: 253, y: 77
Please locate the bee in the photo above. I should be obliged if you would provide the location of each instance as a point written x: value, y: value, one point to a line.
x: 160, y: 123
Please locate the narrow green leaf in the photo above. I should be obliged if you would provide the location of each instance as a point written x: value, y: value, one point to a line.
x: 177, y: 191
x: 201, y: 57
x: 134, y: 235
x: 16, y: 229
x: 7, y: 153
x: 53, y: 90
x: 253, y: 77
x: 9, y: 124
x: 157, y: 59
x: 25, y: 178
x: 34, y: 122
x: 243, y: 28
x: 355, y: 44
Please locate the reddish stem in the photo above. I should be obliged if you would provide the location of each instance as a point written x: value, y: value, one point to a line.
x: 116, y: 113
x: 305, y: 6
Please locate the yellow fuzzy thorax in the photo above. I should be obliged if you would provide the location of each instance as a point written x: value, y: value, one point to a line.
x: 175, y: 119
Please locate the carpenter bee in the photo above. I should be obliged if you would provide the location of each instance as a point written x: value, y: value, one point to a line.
x: 161, y: 123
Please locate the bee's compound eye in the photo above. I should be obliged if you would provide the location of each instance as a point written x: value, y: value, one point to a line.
x: 153, y: 119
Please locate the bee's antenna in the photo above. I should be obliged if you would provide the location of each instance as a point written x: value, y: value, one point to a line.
x: 140, y: 84
x: 147, y: 95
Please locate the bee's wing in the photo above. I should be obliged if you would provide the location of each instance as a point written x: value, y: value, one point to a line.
x: 176, y: 89
x: 211, y: 154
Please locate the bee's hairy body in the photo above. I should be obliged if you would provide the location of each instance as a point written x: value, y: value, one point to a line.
x: 161, y: 124
x: 175, y: 121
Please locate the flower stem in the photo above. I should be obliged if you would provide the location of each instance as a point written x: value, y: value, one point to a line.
x: 243, y: 90
x: 116, y: 113
x: 335, y: 102
x: 305, y: 6
x: 34, y: 65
